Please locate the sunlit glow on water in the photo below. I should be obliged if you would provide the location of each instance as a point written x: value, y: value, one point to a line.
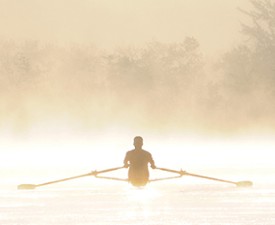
x: 141, y: 203
x: 142, y: 194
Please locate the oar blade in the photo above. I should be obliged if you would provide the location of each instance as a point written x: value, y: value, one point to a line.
x: 244, y: 184
x: 26, y: 186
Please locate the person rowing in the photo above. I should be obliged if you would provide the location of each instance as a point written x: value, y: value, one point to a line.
x: 137, y: 161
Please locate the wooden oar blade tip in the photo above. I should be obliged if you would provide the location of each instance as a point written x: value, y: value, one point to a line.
x: 244, y: 184
x: 26, y: 186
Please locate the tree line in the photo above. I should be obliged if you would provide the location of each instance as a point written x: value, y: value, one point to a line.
x: 158, y: 85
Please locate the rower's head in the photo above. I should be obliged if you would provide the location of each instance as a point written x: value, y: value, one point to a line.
x: 138, y: 142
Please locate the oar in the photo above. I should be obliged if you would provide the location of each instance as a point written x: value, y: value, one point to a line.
x: 181, y: 172
x: 93, y: 173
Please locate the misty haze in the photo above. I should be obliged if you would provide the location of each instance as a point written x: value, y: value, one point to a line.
x: 193, y: 79
x: 166, y: 85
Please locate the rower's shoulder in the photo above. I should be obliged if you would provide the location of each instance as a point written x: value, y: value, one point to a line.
x: 146, y: 152
x: 130, y: 151
x: 134, y: 151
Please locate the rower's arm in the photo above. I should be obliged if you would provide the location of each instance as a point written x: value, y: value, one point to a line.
x: 126, y: 160
x: 152, y: 162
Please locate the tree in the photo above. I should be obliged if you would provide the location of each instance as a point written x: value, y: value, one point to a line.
x: 262, y: 30
x: 262, y: 35
x: 249, y: 68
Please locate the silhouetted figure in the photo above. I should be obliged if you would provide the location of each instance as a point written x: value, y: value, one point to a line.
x: 137, y: 160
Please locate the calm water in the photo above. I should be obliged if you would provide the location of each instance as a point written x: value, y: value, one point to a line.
x: 156, y: 204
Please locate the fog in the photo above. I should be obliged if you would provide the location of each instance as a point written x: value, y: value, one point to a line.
x: 110, y: 24
x: 108, y: 70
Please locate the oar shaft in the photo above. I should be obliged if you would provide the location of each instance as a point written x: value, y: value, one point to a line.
x: 94, y: 173
x: 210, y: 178
x: 196, y: 175
x: 64, y: 179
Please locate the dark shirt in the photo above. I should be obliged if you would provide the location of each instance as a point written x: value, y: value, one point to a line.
x: 138, y: 159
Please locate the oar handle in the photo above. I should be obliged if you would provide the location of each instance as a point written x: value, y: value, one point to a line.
x: 105, y: 171
x: 181, y: 172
